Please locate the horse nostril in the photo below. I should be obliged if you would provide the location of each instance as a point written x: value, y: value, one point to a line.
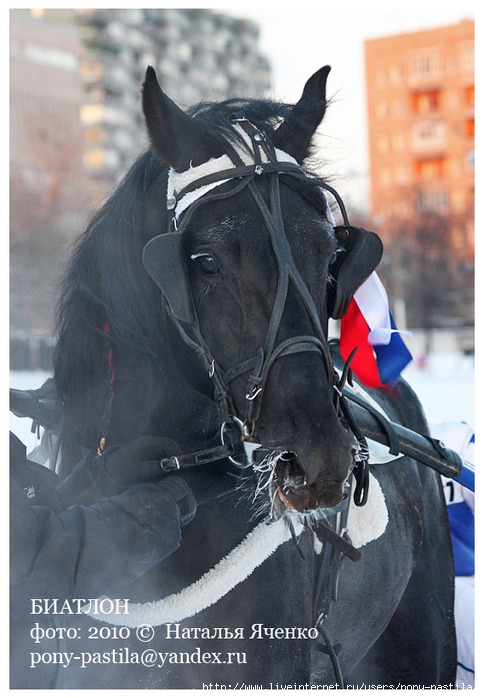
x: 288, y: 471
x: 286, y: 456
x: 284, y: 478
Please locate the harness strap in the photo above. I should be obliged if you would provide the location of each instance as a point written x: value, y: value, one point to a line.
x: 332, y: 651
x: 326, y: 587
x: 339, y: 542
x: 189, y: 460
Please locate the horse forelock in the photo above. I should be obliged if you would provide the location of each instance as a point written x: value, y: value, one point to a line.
x: 216, y: 119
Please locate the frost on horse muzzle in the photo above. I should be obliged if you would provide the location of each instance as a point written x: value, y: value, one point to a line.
x: 284, y: 475
x: 284, y: 472
x: 284, y: 480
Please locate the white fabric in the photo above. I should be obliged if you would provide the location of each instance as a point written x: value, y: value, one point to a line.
x: 177, y: 181
x: 372, y: 300
x: 464, y: 624
x: 212, y: 586
x: 369, y: 522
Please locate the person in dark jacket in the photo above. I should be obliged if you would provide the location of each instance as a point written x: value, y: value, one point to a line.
x: 104, y: 526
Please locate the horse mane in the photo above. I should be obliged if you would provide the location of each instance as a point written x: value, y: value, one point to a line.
x: 108, y: 305
x: 106, y: 299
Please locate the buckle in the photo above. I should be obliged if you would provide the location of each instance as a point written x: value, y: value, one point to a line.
x: 168, y: 465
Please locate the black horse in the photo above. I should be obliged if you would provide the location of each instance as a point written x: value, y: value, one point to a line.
x: 234, y: 352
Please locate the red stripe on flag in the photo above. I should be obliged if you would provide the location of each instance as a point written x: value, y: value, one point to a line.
x: 354, y: 333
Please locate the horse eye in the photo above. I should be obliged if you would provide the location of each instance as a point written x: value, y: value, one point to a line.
x: 207, y: 264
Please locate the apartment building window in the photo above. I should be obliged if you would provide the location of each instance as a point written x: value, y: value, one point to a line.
x: 91, y: 70
x: 428, y: 134
x: 460, y: 199
x: 400, y: 107
x: 382, y: 109
x: 466, y: 57
x: 94, y: 158
x: 468, y: 96
x: 92, y: 113
x: 94, y: 135
x: 394, y: 75
x: 469, y: 128
x: 381, y: 79
x: 430, y: 169
x: 398, y: 142
x: 383, y: 143
x: 385, y: 177
x: 425, y: 66
x: 426, y: 102
x: 432, y: 201
x: 401, y: 175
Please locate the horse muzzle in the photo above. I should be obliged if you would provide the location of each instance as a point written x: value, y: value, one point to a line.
x: 284, y: 478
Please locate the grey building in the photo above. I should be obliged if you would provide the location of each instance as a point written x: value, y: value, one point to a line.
x: 198, y: 55
x: 76, y: 125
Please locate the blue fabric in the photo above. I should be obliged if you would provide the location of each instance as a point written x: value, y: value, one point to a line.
x: 461, y: 520
x: 391, y: 358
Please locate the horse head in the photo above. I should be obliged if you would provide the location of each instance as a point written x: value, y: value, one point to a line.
x: 245, y: 270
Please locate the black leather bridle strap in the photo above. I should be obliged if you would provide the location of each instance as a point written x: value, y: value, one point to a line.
x: 287, y: 271
x: 259, y: 365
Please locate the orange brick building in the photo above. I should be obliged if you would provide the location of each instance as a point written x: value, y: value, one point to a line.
x: 420, y: 95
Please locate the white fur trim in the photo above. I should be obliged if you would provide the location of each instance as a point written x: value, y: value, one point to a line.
x: 369, y: 522
x: 364, y: 525
x: 216, y: 583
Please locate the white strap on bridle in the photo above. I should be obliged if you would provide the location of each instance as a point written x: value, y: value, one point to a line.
x: 178, y: 181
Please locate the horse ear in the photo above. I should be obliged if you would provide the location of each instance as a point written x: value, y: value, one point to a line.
x: 295, y: 133
x: 175, y: 137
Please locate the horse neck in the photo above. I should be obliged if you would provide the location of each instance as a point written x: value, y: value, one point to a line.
x: 167, y: 394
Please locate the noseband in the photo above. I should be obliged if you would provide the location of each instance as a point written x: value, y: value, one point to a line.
x: 186, y: 192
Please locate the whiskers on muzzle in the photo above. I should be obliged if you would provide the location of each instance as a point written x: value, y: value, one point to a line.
x: 281, y: 484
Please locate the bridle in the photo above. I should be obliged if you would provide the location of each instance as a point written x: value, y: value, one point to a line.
x: 243, y: 170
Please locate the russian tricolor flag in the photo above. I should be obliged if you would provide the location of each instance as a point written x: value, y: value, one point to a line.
x: 369, y: 326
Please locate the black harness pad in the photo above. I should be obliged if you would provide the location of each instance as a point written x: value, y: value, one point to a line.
x: 163, y: 260
x: 360, y: 253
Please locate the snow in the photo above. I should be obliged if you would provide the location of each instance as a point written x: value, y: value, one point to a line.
x: 445, y: 387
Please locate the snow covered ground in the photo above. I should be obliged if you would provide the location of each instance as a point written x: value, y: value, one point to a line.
x: 445, y: 387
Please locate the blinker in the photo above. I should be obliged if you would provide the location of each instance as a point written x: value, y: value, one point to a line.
x: 163, y: 260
